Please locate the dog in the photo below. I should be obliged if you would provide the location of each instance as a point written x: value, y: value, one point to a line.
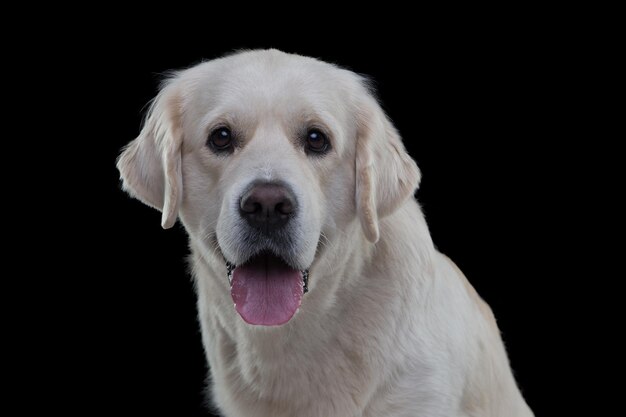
x: 320, y: 292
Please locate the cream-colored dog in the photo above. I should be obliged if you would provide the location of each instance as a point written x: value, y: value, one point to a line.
x: 319, y: 290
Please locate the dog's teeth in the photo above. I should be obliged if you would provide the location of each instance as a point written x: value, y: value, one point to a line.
x: 305, y: 281
x: 229, y: 272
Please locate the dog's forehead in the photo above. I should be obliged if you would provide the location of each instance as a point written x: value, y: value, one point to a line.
x: 270, y: 79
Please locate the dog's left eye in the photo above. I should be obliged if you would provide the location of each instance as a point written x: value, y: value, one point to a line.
x: 316, y: 141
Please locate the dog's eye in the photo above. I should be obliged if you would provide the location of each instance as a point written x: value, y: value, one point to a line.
x: 316, y: 141
x: 221, y: 139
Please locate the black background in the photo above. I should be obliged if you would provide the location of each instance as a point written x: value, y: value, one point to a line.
x: 473, y: 110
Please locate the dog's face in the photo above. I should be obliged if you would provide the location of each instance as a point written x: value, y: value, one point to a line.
x: 266, y: 157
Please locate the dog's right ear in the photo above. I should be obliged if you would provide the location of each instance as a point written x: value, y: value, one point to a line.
x: 150, y: 166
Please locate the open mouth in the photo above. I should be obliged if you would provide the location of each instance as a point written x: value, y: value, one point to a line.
x: 266, y: 290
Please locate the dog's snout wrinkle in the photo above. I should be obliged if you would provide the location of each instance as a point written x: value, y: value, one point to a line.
x: 268, y: 206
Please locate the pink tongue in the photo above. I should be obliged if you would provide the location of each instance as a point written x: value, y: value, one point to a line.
x: 266, y: 291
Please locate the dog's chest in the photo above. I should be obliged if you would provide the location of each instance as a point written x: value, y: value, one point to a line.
x: 276, y: 380
x: 335, y: 383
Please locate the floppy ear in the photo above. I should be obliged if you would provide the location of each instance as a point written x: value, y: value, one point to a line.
x: 385, y: 173
x: 150, y: 165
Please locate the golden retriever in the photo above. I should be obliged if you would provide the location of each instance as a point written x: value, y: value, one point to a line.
x: 320, y: 292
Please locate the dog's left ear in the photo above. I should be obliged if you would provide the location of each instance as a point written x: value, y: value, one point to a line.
x: 150, y: 166
x: 385, y: 173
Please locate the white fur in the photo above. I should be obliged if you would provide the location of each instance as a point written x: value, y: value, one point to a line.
x: 390, y: 326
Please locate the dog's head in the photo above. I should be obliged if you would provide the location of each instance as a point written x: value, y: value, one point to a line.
x: 265, y: 156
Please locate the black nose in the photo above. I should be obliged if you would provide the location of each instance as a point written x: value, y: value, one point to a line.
x: 267, y: 206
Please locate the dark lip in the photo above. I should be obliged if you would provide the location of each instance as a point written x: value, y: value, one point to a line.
x: 267, y: 253
x: 261, y: 254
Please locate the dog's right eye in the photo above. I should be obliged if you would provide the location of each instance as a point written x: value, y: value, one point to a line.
x: 220, y: 139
